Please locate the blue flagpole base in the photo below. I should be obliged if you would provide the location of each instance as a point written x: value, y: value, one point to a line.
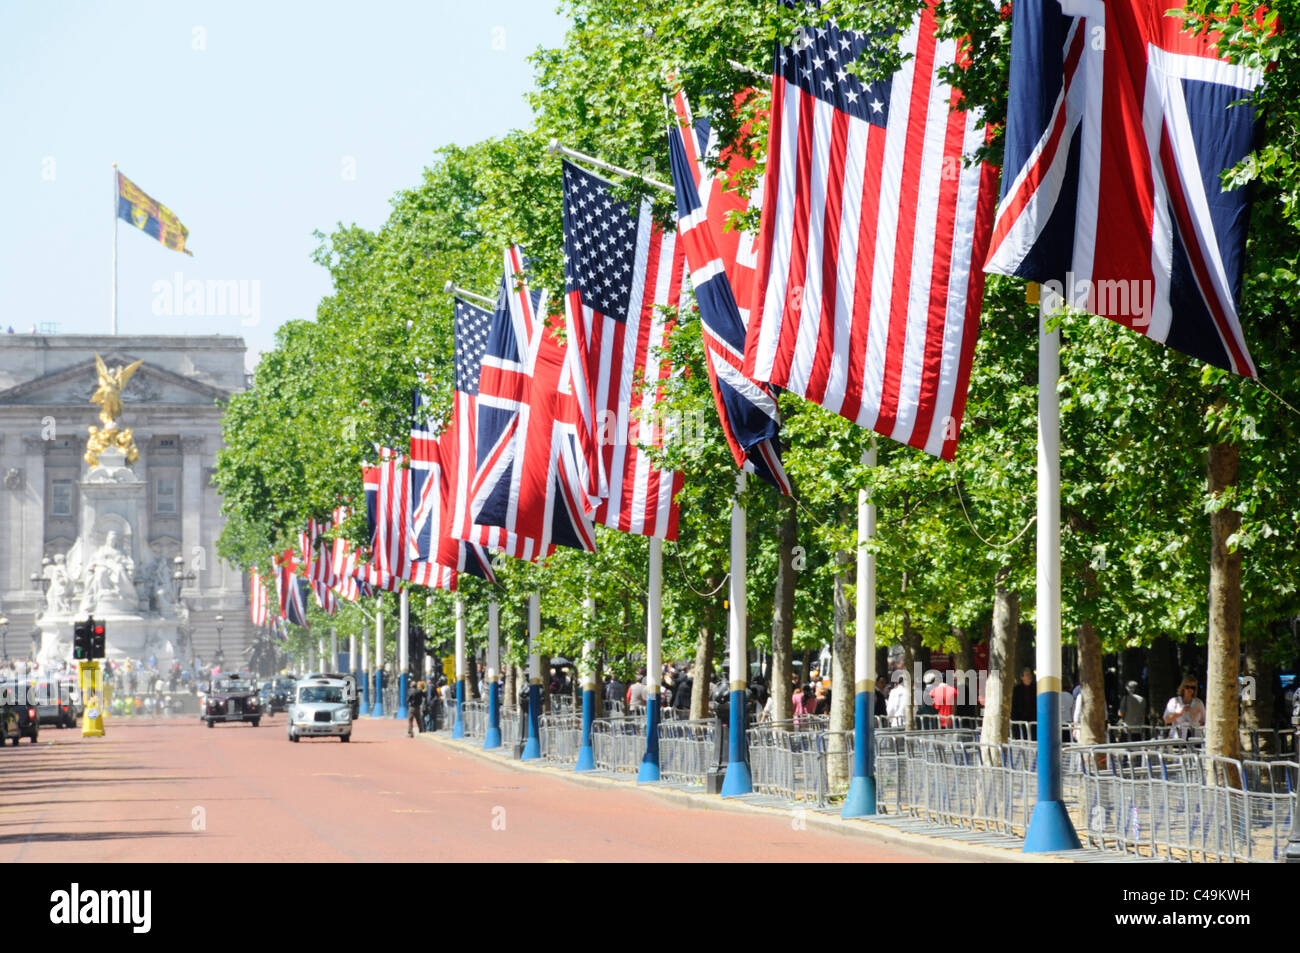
x: 861, y: 799
x: 586, y: 760
x: 378, y: 710
x: 738, y: 780
x: 532, y: 750
x: 649, y: 772
x: 458, y: 727
x: 402, y: 684
x: 492, y: 736
x: 1050, y: 829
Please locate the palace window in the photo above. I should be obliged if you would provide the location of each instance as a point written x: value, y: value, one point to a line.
x: 164, y: 498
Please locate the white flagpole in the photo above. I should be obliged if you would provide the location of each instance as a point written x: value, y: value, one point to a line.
x: 115, y: 203
x: 737, y: 780
x: 649, y: 770
x: 1050, y: 828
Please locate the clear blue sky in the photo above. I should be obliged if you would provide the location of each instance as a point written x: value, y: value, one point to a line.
x: 256, y: 122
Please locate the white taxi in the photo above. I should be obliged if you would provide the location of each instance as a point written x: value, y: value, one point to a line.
x: 320, y: 708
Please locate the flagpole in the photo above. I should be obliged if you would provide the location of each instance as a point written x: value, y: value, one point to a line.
x: 365, y: 670
x: 378, y: 710
x: 533, y: 746
x: 861, y: 799
x: 458, y: 725
x: 737, y: 780
x: 492, y: 736
x: 653, y: 662
x: 1050, y: 828
x: 403, y: 653
x: 115, y: 204
x: 556, y: 149
x: 586, y: 757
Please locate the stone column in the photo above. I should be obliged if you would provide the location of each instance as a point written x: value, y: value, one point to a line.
x: 33, y: 497
x: 191, y: 503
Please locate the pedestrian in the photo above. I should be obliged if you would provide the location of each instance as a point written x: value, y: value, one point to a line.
x: 882, y: 695
x: 1024, y: 705
x: 1132, y: 707
x: 638, y: 695
x: 896, y: 704
x: 430, y: 701
x: 682, y: 694
x: 945, y: 700
x: 1185, y: 711
x: 414, y: 708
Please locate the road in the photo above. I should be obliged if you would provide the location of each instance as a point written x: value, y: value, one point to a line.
x: 173, y: 790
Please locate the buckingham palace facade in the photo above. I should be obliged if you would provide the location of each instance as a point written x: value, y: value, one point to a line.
x: 172, y: 403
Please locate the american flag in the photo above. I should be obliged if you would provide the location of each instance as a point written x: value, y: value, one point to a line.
x: 621, y: 273
x: 394, y: 556
x: 326, y: 598
x: 284, y: 572
x: 872, y: 239
x: 529, y: 475
x: 430, y: 489
x: 258, y: 609
x: 1119, y: 124
x: 722, y: 275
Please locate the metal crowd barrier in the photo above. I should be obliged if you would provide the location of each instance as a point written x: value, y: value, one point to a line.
x: 618, y: 744
x: 686, y: 750
x: 561, y: 736
x: 474, y: 719
x: 511, y: 725
x: 1159, y: 801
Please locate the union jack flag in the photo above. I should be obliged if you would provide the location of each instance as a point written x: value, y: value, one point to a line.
x: 622, y: 273
x: 872, y: 238
x: 529, y: 477
x: 722, y: 275
x: 394, y: 556
x: 1118, y: 126
x: 343, y: 560
x: 258, y: 608
x: 430, y: 489
x: 291, y: 590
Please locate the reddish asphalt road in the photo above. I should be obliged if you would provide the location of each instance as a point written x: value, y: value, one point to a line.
x: 139, y: 793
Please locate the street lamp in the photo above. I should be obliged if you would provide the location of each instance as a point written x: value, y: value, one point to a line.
x: 4, y: 632
x: 219, y: 620
x: 41, y: 580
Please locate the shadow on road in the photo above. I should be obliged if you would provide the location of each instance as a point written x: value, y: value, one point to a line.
x: 55, y: 838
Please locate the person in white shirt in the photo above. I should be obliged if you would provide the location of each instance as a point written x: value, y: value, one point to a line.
x: 1185, y: 710
x: 896, y: 703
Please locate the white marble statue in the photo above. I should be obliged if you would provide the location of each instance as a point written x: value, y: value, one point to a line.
x: 109, y: 577
x: 63, y: 589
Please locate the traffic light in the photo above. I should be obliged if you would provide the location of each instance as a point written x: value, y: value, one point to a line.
x: 81, y: 640
x: 87, y: 640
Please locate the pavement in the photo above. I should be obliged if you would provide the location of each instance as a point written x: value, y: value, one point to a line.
x: 172, y: 790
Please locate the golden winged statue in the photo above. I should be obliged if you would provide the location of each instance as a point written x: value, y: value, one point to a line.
x: 109, y: 397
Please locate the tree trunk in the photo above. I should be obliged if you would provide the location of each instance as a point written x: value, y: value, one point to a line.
x: 1162, y: 676
x: 1258, y: 699
x: 510, y: 688
x: 546, y: 684
x: 839, y: 767
x: 911, y: 655
x: 783, y: 615
x: 1223, y: 651
x: 702, y: 670
x: 1092, y: 719
x: 996, y: 729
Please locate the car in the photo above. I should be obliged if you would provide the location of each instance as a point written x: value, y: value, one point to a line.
x: 349, y: 686
x: 276, y: 694
x: 231, y: 697
x: 19, y: 704
x: 320, y: 709
x: 54, y: 706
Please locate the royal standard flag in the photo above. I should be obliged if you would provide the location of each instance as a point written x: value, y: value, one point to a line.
x: 151, y: 217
